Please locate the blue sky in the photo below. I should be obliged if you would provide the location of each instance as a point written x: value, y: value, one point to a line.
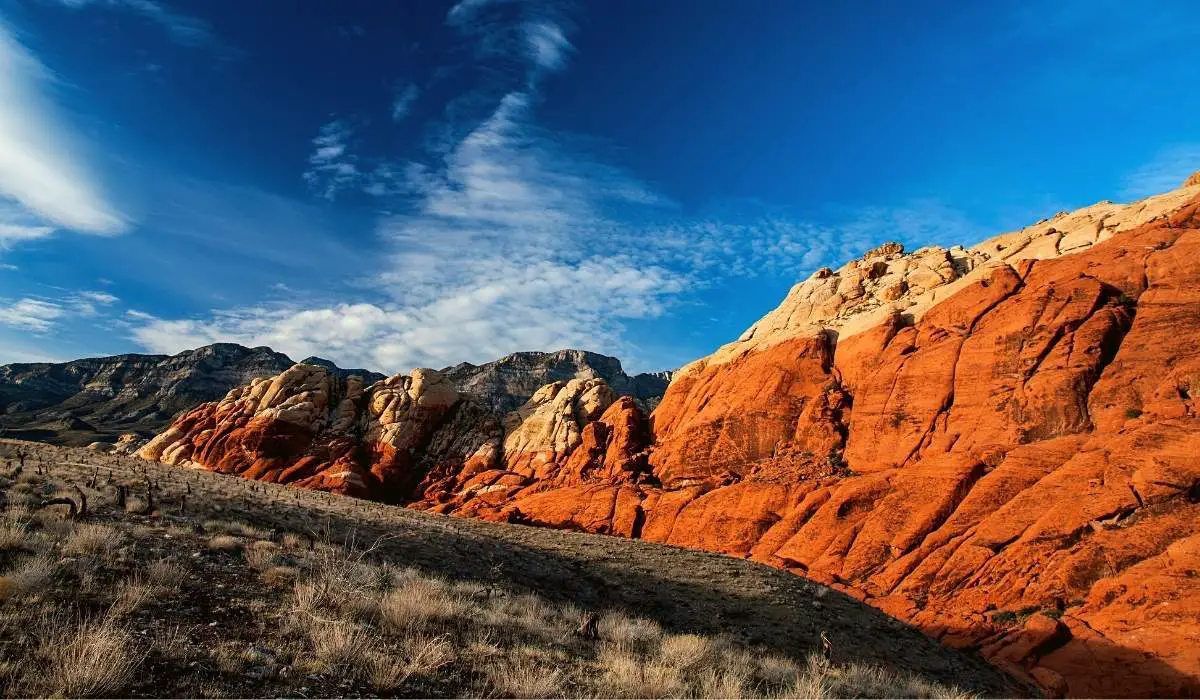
x: 408, y: 184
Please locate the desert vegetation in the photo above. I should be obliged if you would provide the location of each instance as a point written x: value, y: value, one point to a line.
x: 179, y: 601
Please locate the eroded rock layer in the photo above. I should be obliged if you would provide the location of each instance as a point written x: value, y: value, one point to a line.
x: 1000, y: 445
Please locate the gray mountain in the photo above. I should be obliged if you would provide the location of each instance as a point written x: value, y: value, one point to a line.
x: 97, y: 399
x: 504, y: 384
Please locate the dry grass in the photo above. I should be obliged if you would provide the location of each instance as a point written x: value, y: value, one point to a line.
x: 165, y: 576
x: 96, y: 657
x: 30, y: 576
x: 161, y: 605
x: 135, y: 505
x: 13, y: 534
x: 261, y: 555
x: 415, y: 604
x: 92, y: 540
x: 225, y: 542
x: 523, y: 678
x: 339, y: 646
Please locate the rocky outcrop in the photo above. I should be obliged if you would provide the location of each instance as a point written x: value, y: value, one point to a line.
x: 314, y: 428
x: 996, y: 444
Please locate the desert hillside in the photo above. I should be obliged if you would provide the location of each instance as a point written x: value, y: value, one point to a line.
x: 994, y: 443
x: 192, y: 584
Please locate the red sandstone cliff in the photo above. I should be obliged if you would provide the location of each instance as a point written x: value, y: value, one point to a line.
x: 999, y: 444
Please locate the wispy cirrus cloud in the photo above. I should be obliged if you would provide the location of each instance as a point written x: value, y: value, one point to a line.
x: 41, y: 314
x: 1166, y: 171
x: 37, y: 315
x: 43, y: 186
x: 332, y: 166
x: 547, y: 43
x: 509, y: 236
x: 403, y: 101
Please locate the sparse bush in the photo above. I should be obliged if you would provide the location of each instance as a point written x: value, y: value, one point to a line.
x: 523, y: 678
x: 418, y: 656
x: 629, y: 633
x: 415, y: 604
x: 92, y: 539
x: 165, y: 576
x: 95, y: 658
x: 1133, y: 413
x: 261, y: 555
x: 29, y: 577
x: 339, y: 645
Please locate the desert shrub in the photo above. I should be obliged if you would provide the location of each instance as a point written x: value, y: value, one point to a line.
x: 418, y: 655
x: 30, y: 576
x: 339, y: 645
x: 416, y: 603
x: 522, y: 677
x: 165, y: 576
x: 92, y: 539
x: 628, y: 633
x: 629, y: 675
x: 97, y: 657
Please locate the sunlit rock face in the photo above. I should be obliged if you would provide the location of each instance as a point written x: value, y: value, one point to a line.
x: 998, y: 444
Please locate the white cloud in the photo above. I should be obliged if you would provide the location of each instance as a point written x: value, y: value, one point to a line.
x: 403, y: 101
x: 17, y: 233
x: 37, y: 315
x: 1167, y: 171
x: 40, y: 178
x: 547, y: 44
x: 103, y: 298
x: 516, y: 238
x: 332, y: 167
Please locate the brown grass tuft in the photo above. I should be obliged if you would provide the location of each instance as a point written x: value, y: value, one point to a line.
x: 97, y: 657
x: 92, y: 539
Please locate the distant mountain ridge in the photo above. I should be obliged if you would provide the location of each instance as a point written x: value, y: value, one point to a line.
x: 504, y: 384
x: 98, y: 399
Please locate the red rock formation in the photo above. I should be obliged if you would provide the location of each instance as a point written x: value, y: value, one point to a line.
x: 999, y: 445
